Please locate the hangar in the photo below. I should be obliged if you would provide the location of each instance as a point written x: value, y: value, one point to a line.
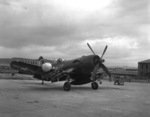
x: 144, y: 69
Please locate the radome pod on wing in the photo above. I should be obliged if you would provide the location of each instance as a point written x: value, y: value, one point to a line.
x: 46, y: 67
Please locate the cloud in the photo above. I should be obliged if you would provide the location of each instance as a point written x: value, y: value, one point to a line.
x: 5, y: 2
x: 133, y: 11
x: 56, y: 28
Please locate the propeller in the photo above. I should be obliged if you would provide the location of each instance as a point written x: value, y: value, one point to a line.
x: 94, y: 71
x: 104, y: 51
x: 91, y: 48
x: 99, y: 64
x: 106, y: 71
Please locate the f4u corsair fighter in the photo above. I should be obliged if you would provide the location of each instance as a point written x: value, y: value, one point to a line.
x: 75, y: 72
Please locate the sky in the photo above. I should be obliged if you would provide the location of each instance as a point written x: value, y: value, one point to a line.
x: 61, y: 29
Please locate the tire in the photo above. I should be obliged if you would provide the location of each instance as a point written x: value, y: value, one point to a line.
x: 122, y: 83
x: 67, y: 86
x: 94, y: 85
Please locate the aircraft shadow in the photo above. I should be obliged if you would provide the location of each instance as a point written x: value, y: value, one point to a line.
x: 110, y: 88
x: 58, y: 87
x: 100, y: 88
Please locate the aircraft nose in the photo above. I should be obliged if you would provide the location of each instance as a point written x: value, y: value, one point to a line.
x: 96, y: 59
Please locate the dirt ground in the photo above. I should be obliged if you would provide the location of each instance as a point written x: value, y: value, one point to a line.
x: 28, y: 98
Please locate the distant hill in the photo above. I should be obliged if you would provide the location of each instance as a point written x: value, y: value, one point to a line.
x: 5, y: 61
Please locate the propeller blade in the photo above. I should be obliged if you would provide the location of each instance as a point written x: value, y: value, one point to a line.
x: 106, y: 71
x: 94, y: 71
x: 104, y: 51
x: 91, y: 48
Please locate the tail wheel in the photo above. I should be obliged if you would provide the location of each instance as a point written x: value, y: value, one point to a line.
x: 94, y: 85
x: 67, y: 86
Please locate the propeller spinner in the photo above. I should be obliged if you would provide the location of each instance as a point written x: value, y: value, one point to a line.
x: 99, y: 64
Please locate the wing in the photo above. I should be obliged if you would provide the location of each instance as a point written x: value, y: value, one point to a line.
x: 25, y: 68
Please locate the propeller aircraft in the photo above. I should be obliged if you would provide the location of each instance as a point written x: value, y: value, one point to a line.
x: 77, y: 71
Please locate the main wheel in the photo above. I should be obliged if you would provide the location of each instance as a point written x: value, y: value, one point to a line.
x: 94, y: 85
x: 67, y: 86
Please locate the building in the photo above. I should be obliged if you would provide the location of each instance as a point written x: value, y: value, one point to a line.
x: 128, y: 75
x: 144, y: 69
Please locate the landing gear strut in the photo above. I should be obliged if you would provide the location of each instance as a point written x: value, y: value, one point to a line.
x: 94, y: 85
x: 67, y: 85
x: 42, y: 82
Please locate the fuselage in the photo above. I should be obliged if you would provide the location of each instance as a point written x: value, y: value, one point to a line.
x: 81, y: 68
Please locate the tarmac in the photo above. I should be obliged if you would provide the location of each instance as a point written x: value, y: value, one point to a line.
x: 28, y: 98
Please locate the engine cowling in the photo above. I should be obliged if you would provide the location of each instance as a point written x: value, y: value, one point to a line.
x: 46, y: 67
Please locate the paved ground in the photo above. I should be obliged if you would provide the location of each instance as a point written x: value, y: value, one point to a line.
x: 28, y: 98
